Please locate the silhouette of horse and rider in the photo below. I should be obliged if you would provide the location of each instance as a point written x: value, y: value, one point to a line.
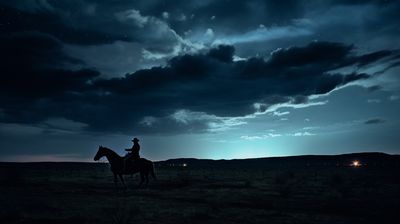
x: 130, y: 164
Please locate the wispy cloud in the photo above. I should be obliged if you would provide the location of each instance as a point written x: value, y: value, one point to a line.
x: 278, y: 113
x: 374, y: 121
x: 263, y: 33
x: 299, y: 134
x: 394, y: 97
x: 373, y: 101
x: 259, y: 137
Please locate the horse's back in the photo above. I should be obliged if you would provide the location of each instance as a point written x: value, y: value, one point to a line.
x: 145, y: 161
x: 148, y: 165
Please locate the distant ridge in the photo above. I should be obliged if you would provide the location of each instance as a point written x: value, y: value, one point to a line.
x: 367, y: 159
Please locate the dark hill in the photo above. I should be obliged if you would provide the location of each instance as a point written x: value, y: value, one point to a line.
x: 374, y: 159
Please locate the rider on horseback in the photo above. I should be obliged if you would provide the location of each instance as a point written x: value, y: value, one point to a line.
x: 133, y: 152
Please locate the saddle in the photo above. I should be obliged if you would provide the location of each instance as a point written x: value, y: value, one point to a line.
x: 132, y: 156
x: 131, y: 161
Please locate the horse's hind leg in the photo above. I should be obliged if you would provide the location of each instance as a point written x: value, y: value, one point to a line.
x: 147, y: 178
x: 141, y: 179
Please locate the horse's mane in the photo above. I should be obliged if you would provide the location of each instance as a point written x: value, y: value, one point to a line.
x: 111, y: 151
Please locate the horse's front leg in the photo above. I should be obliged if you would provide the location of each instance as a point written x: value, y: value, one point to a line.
x: 147, y: 178
x: 115, y: 180
x: 122, y: 180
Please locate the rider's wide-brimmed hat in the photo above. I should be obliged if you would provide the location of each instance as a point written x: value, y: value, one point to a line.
x: 135, y: 140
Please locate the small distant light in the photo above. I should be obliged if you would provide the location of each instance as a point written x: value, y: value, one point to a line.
x: 184, y: 164
x: 356, y: 163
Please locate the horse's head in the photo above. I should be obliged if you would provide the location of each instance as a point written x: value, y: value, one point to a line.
x: 100, y: 153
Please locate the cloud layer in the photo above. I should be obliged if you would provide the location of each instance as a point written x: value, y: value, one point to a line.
x: 201, y: 83
x: 192, y: 93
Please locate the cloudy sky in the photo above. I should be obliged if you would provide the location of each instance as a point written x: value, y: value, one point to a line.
x: 202, y: 78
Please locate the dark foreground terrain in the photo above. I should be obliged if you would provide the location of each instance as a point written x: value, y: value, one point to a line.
x: 193, y: 193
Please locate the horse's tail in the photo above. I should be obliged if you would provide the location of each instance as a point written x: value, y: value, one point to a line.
x: 152, y: 170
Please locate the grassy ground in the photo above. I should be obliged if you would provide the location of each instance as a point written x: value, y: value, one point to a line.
x: 85, y: 193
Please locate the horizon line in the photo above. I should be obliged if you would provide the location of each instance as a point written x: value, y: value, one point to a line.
x: 181, y: 158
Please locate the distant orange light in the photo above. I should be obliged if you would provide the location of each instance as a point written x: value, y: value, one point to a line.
x: 356, y: 163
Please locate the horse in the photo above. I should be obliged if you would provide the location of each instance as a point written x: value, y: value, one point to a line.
x: 143, y: 166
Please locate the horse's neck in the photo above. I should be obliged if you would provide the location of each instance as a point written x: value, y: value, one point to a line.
x: 112, y: 156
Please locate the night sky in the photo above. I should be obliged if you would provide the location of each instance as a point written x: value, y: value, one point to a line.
x: 206, y: 79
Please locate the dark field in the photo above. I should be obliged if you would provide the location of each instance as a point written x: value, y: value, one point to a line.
x: 85, y: 193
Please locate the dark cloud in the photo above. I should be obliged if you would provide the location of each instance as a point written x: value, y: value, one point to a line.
x: 32, y: 49
x: 361, y: 2
x: 223, y: 53
x: 36, y: 77
x: 51, y: 22
x: 187, y: 94
x: 375, y: 121
x: 213, y: 79
x: 374, y: 88
x: 241, y: 16
x: 86, y: 22
x: 374, y: 24
x: 104, y: 22
x: 34, y: 65
x: 315, y: 52
x: 39, y: 80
